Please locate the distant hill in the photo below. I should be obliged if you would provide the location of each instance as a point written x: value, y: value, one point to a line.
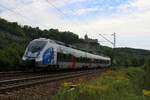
x: 14, y: 38
x: 130, y: 56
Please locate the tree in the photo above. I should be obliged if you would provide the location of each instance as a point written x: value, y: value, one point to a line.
x: 147, y: 74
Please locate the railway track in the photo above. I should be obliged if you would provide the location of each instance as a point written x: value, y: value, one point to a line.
x: 18, y: 74
x: 3, y: 74
x: 13, y: 84
x: 14, y: 74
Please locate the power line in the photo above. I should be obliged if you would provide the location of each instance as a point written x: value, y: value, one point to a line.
x: 15, y: 12
x: 72, y: 10
x: 107, y: 40
x: 63, y: 14
x: 25, y: 17
x: 59, y: 10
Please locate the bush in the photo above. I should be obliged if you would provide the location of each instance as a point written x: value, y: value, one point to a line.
x: 10, y: 58
x: 136, y: 74
x: 147, y: 74
x: 112, y: 85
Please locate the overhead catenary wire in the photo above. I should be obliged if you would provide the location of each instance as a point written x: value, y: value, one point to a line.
x: 2, y: 6
x: 72, y: 11
x: 65, y: 15
x: 59, y: 10
x: 15, y: 12
x: 30, y: 20
x: 84, y: 22
x: 19, y: 14
x: 107, y: 40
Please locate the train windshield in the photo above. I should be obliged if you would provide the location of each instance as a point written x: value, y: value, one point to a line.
x: 36, y: 46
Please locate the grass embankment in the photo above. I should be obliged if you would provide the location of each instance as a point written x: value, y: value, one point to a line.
x: 125, y: 84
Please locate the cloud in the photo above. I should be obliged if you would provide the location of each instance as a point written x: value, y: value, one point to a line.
x: 128, y: 20
x: 37, y: 13
x: 132, y: 26
x: 85, y: 10
x: 126, y: 23
x: 141, y: 4
x: 62, y: 3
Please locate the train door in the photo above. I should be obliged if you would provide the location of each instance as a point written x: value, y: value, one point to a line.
x: 73, y: 62
x: 55, y: 56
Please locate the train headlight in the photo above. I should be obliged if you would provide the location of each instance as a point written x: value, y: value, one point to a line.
x: 23, y: 58
x: 38, y: 59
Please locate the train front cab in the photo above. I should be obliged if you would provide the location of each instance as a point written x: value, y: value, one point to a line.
x: 33, y: 54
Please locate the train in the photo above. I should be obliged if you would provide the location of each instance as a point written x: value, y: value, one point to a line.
x: 52, y: 54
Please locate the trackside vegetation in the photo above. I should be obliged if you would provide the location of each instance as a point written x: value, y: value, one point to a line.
x: 122, y: 84
x: 147, y: 75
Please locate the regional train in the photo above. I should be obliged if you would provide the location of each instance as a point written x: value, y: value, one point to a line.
x: 47, y: 53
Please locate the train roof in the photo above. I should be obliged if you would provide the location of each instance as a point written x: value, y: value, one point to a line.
x: 69, y: 50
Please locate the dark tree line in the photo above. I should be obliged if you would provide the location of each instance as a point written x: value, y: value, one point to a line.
x: 14, y: 38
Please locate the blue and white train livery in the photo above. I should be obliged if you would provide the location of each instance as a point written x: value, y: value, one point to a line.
x: 43, y: 53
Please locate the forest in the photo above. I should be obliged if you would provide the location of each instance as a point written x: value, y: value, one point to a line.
x: 14, y: 38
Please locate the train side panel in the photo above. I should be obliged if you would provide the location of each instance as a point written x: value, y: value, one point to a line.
x: 46, y: 53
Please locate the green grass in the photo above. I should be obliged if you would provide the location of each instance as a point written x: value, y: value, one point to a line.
x: 125, y: 84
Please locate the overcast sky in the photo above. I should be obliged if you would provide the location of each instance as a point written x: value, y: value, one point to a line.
x: 130, y: 19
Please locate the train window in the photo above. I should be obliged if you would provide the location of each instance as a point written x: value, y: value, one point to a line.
x: 59, y: 56
x: 68, y: 57
x: 100, y: 61
x: 64, y: 57
x: 81, y: 59
x: 36, y: 46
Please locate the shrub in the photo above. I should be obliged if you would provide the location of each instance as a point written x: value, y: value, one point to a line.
x: 10, y: 58
x: 112, y: 85
x: 147, y: 74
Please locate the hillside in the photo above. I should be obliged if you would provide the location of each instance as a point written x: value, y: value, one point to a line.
x: 14, y: 38
x: 130, y: 56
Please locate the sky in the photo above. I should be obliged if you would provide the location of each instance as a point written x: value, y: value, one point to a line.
x: 129, y: 19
